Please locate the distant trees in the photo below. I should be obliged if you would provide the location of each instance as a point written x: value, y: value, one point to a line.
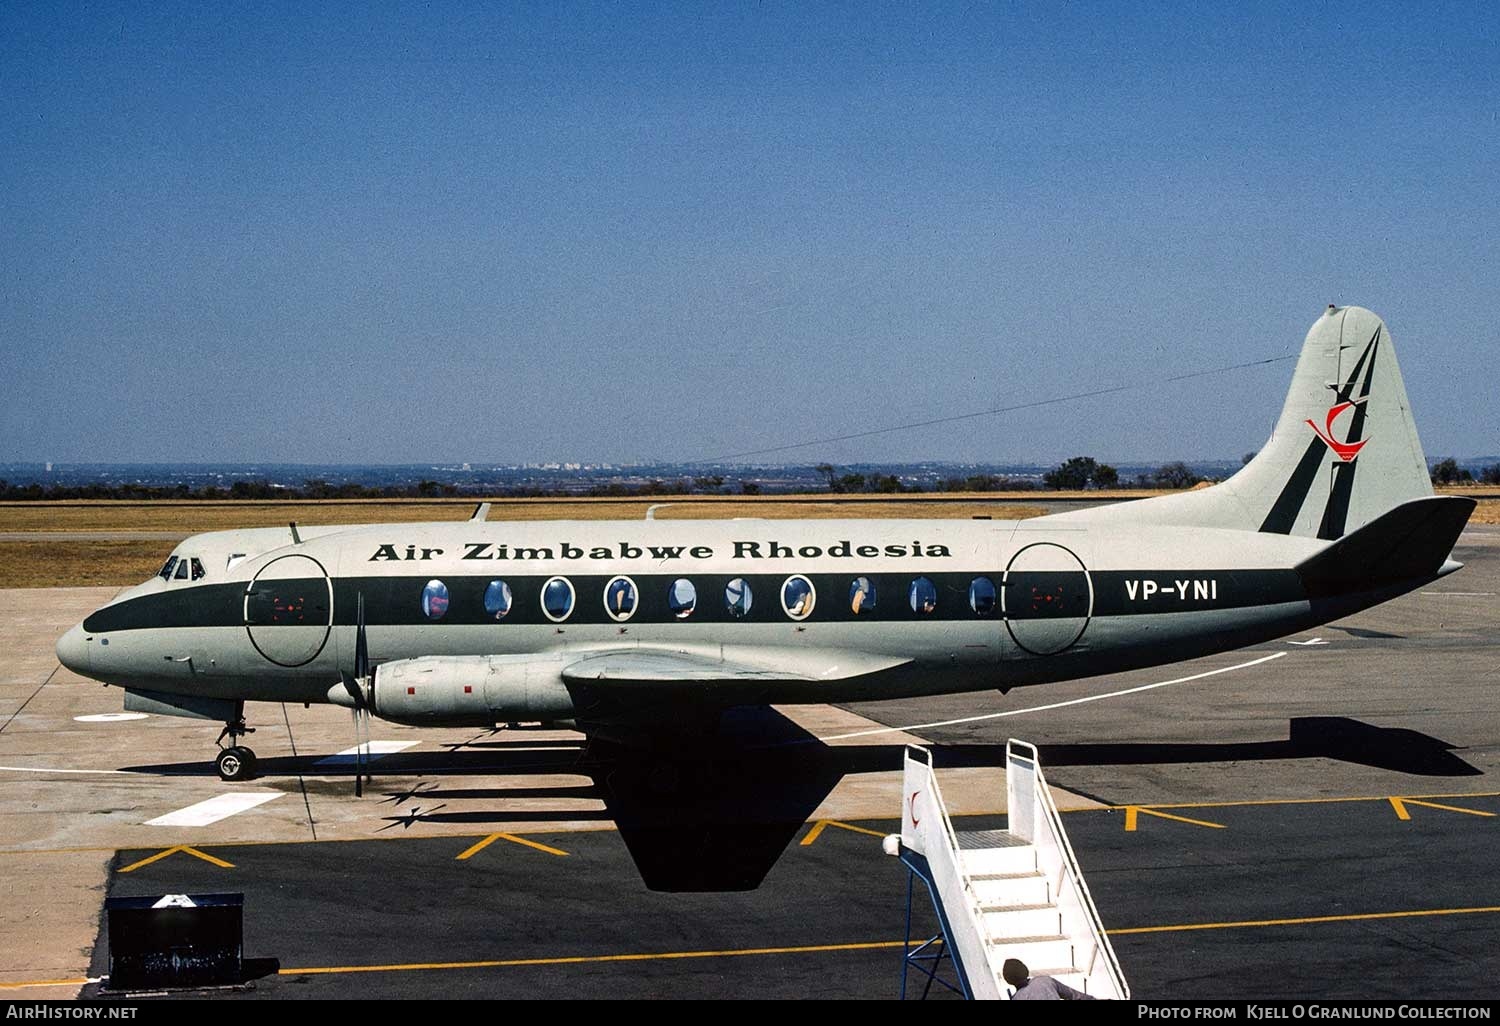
x: 1490, y: 475
x: 1173, y: 475
x: 1447, y: 472
x: 855, y: 483
x: 988, y: 483
x: 1081, y: 472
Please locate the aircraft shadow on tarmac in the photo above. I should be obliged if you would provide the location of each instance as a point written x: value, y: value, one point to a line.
x: 719, y: 823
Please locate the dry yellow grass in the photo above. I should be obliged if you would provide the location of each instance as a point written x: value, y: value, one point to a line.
x: 193, y: 517
x: 78, y: 564
x: 1487, y: 513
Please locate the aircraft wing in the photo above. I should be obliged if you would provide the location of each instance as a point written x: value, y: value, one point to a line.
x: 645, y: 667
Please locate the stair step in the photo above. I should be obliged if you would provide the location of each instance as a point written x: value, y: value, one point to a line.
x: 1028, y: 889
x: 1053, y: 950
x: 1024, y: 921
x: 1001, y: 907
x: 972, y: 839
x: 977, y: 861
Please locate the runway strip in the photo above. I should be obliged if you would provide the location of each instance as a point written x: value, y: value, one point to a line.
x: 1056, y: 705
x: 214, y: 809
x: 373, y: 750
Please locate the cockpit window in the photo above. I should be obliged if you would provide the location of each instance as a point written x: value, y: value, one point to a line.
x: 198, y: 572
x: 182, y: 570
x: 166, y: 568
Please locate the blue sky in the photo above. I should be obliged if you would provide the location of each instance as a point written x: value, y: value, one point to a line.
x: 506, y: 232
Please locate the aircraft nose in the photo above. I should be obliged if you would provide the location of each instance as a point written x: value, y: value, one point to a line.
x: 73, y: 650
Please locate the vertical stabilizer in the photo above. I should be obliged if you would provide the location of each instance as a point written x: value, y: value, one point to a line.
x: 1344, y: 451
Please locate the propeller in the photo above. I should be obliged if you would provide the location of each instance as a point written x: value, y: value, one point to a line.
x: 362, y: 689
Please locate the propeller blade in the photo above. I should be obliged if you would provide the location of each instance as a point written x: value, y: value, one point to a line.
x: 361, y: 642
x: 359, y: 771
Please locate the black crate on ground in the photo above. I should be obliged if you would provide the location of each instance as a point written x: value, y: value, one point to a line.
x: 175, y: 940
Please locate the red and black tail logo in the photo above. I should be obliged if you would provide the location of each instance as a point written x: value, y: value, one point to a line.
x: 1283, y: 514
x: 1347, y: 450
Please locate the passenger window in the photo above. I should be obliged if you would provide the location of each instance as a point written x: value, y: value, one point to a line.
x: 797, y: 597
x: 197, y: 569
x: 682, y: 598
x: 738, y: 598
x: 167, y: 568
x: 435, y: 600
x: 620, y: 598
x: 923, y: 596
x: 557, y: 598
x: 861, y: 595
x: 982, y: 596
x: 497, y: 599
x: 182, y: 571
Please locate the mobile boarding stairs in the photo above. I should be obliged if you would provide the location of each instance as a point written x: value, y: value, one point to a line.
x: 999, y: 894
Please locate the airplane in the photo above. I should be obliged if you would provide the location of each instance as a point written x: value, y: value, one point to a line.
x: 645, y: 632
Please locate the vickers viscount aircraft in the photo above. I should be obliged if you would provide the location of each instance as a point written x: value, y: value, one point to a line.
x: 632, y: 630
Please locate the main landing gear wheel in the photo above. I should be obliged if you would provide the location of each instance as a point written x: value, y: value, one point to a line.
x: 237, y: 763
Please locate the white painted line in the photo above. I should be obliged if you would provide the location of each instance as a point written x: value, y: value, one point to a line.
x: 373, y: 750
x: 1462, y: 594
x: 109, y: 717
x: 1310, y: 641
x: 47, y: 769
x: 1058, y: 705
x: 214, y: 809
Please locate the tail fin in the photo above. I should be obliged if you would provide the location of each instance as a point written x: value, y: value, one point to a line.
x: 1344, y: 451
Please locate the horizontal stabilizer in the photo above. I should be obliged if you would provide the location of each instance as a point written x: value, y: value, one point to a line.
x: 1412, y: 541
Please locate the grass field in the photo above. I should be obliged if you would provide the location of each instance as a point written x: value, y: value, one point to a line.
x: 191, y: 517
x: 79, y: 563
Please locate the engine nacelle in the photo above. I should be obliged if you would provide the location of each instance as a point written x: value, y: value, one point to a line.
x: 471, y: 691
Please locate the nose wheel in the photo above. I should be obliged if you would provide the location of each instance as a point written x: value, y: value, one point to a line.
x: 237, y: 762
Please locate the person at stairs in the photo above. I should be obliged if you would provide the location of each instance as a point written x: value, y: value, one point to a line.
x: 1037, y: 988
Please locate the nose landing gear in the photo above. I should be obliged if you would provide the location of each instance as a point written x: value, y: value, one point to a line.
x: 236, y: 762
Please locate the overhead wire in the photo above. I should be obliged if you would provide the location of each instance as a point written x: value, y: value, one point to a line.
x: 958, y: 417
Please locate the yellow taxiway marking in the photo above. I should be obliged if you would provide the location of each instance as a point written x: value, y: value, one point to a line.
x: 78, y: 982
x: 610, y: 827
x: 1132, y: 813
x: 475, y: 849
x: 1289, y: 801
x: 809, y: 949
x: 1400, y: 804
x: 822, y: 824
x: 1307, y: 920
x: 496, y: 963
x: 185, y: 849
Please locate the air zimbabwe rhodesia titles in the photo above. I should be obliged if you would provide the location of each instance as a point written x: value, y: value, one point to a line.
x: 771, y: 549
